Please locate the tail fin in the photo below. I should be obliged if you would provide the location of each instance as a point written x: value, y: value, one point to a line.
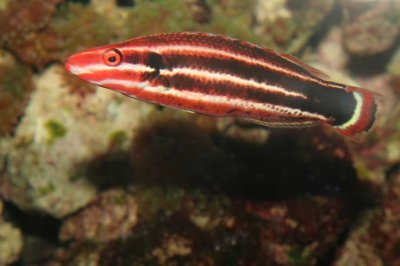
x: 364, y: 112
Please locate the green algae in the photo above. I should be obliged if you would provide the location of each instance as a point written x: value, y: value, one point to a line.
x: 55, y: 130
x: 120, y: 199
x: 298, y: 257
x: 45, y: 190
x: 118, y: 138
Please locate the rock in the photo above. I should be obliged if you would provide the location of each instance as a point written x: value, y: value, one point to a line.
x: 394, y: 71
x: 394, y: 65
x: 370, y: 28
x: 376, y: 238
x: 11, y: 243
x: 287, y: 25
x: 331, y: 53
x: 113, y: 215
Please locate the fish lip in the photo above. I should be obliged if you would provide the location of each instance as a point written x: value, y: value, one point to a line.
x: 67, y: 65
x: 74, y: 69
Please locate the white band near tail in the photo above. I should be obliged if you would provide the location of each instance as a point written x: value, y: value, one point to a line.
x: 356, y: 114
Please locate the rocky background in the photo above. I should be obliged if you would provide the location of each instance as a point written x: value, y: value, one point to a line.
x: 90, y: 177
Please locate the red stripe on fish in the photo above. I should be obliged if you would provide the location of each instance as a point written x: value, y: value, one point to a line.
x: 217, y: 75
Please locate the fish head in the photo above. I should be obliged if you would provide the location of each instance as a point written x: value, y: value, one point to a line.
x: 121, y: 67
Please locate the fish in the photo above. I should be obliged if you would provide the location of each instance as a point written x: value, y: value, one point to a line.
x: 220, y: 76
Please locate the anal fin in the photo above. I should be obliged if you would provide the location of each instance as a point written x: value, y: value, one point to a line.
x: 284, y: 123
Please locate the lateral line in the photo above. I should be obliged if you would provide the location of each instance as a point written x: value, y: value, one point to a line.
x: 212, y: 51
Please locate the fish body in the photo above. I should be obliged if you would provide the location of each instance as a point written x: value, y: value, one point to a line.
x: 219, y: 76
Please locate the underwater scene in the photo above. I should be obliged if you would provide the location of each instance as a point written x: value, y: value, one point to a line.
x: 264, y: 132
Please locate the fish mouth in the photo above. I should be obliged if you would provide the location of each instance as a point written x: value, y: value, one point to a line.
x: 76, y: 70
x: 67, y: 65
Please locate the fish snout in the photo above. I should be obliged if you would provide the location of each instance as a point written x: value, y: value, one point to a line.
x: 67, y: 65
x: 78, y: 64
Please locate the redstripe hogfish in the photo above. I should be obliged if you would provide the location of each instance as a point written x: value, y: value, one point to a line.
x: 219, y: 76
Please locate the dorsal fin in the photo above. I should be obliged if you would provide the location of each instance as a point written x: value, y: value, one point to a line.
x: 312, y: 70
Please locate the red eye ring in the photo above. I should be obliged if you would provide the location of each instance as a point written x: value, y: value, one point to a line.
x: 112, y: 57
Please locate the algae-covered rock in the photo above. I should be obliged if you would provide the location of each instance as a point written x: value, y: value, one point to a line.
x: 74, y: 28
x: 59, y: 133
x: 111, y: 216
x: 189, y: 212
x: 293, y: 237
x: 55, y: 34
x: 16, y: 85
x: 197, y: 228
x: 20, y: 20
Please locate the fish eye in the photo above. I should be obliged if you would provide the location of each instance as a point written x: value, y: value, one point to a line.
x: 112, y: 57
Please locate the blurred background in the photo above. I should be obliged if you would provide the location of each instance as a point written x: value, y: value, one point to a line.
x: 91, y: 177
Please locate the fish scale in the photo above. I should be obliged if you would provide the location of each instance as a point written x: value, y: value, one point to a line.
x: 220, y: 76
